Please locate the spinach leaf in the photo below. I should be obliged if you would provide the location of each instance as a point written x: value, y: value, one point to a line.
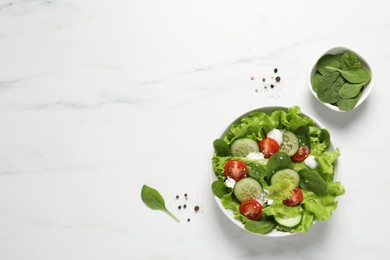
x: 340, y: 79
x: 303, y: 134
x: 220, y: 189
x: 276, y: 162
x: 350, y: 90
x: 312, y: 180
x: 325, y: 137
x: 351, y: 59
x: 260, y: 227
x: 153, y: 199
x: 257, y: 172
x: 221, y: 148
x: 356, y: 75
x: 315, y: 81
x: 347, y: 104
x: 328, y: 88
x: 326, y: 62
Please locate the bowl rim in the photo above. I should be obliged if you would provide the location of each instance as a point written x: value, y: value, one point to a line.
x: 229, y: 213
x: 368, y: 88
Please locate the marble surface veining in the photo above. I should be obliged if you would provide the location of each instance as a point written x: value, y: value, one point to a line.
x: 99, y: 97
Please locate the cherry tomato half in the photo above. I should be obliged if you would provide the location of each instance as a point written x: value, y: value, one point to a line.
x: 268, y: 147
x: 251, y: 209
x: 295, y: 198
x: 235, y: 169
x: 301, y: 154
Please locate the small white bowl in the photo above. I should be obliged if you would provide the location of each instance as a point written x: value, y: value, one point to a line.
x: 229, y: 213
x: 367, y: 89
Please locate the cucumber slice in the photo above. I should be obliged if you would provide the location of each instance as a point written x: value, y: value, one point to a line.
x: 247, y: 188
x: 242, y: 147
x: 289, y: 222
x: 290, y: 144
x: 275, y: 178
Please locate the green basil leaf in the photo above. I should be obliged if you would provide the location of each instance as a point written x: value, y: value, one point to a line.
x: 350, y: 90
x: 276, y: 162
x: 220, y: 189
x: 312, y: 180
x: 153, y: 199
x: 260, y: 227
x: 221, y: 148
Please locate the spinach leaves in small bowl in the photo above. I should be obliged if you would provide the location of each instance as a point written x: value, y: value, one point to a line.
x: 341, y: 79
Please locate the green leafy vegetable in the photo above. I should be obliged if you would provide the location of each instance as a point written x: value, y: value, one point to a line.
x: 316, y: 79
x: 339, y: 79
x: 351, y: 59
x: 328, y: 61
x: 354, y: 75
x: 347, y: 104
x: 220, y: 189
x: 311, y: 180
x: 318, y: 202
x: 328, y: 88
x: 153, y: 199
x: 260, y: 227
x: 350, y: 90
x: 276, y: 162
x: 283, y: 188
x: 221, y: 148
x: 303, y: 134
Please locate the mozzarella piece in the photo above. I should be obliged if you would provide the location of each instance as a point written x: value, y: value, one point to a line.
x: 230, y: 182
x: 255, y: 156
x: 276, y: 134
x: 311, y: 162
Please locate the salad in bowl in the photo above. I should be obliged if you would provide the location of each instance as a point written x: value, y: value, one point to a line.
x: 275, y: 172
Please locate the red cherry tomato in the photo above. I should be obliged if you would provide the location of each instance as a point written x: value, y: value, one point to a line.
x: 235, y: 169
x: 251, y: 209
x: 268, y: 147
x: 295, y: 198
x: 301, y: 154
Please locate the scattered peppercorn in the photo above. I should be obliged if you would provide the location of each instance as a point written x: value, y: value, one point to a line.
x: 188, y: 220
x: 184, y: 206
x: 252, y: 78
x: 263, y: 79
x: 272, y: 86
x: 196, y: 208
x: 177, y: 196
x: 275, y: 70
x: 179, y: 207
x: 277, y: 79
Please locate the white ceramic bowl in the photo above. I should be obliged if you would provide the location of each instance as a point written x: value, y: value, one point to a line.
x: 367, y: 89
x: 229, y: 213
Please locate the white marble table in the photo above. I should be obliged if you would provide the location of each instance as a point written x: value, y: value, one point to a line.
x: 99, y: 97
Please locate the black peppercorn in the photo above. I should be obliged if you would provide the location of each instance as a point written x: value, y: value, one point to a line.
x: 196, y: 208
x: 277, y: 79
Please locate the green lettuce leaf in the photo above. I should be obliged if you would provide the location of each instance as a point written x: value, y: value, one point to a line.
x: 283, y: 189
